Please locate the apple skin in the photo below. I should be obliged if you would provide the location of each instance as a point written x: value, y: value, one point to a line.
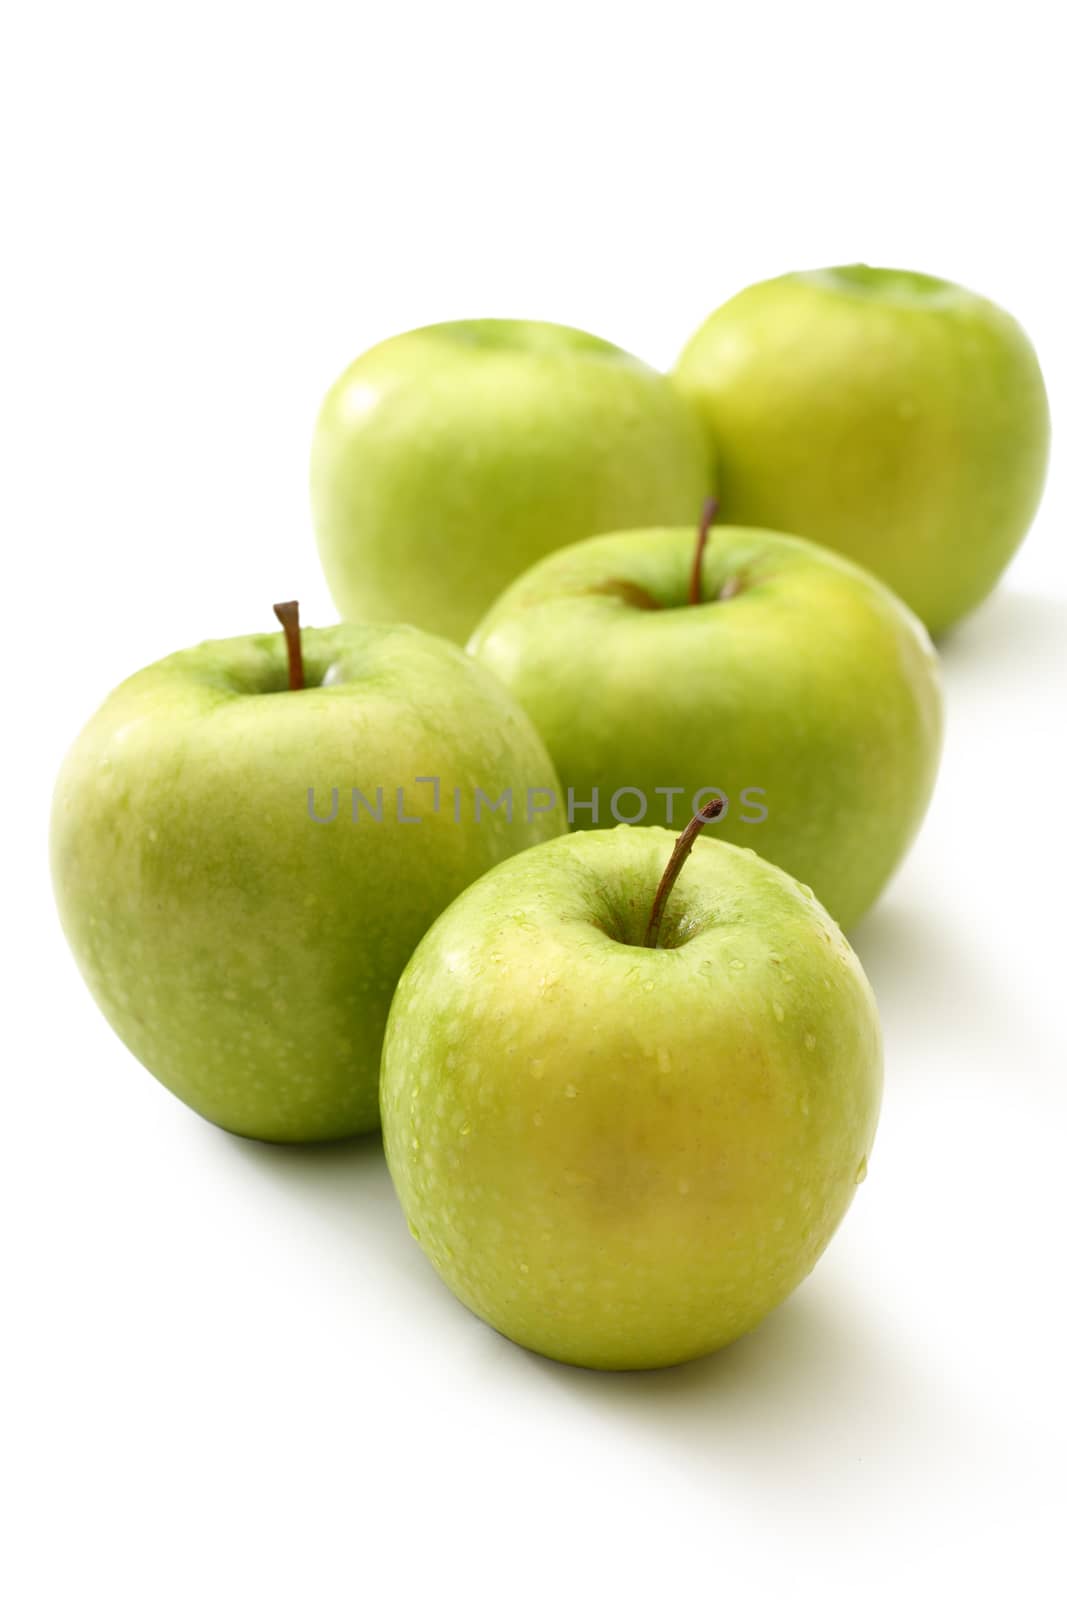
x: 895, y: 417
x: 623, y: 1157
x: 813, y: 684
x: 244, y: 953
x: 448, y: 459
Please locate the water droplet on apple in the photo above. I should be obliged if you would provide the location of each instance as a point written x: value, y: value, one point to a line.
x: 738, y: 966
x: 861, y: 1171
x: 810, y: 1041
x: 570, y: 1091
x: 779, y: 1010
x: 466, y: 1128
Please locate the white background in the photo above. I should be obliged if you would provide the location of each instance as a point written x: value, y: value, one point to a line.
x: 229, y: 1371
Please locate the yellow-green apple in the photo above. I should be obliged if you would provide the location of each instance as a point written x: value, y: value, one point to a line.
x: 894, y: 416
x: 624, y: 1122
x: 243, y: 866
x: 448, y: 459
x: 796, y: 684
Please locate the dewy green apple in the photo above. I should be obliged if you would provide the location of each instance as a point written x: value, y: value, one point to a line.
x: 624, y: 1114
x: 894, y: 416
x: 245, y: 955
x: 797, y: 685
x: 448, y: 459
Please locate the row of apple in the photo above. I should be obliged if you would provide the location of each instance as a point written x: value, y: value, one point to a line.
x: 628, y: 1078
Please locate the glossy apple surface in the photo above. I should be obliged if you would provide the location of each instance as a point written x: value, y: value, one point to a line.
x: 618, y: 1156
x: 809, y: 697
x: 244, y: 952
x: 894, y: 416
x: 448, y: 459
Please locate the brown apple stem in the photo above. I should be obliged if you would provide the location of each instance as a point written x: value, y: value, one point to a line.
x: 288, y: 614
x: 711, y: 507
x: 680, y: 854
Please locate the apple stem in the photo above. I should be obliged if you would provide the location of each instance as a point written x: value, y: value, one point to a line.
x: 708, y: 515
x: 679, y: 856
x: 288, y: 614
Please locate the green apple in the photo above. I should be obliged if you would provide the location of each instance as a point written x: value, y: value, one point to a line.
x: 448, y: 459
x: 240, y: 916
x: 893, y: 416
x: 799, y: 687
x: 623, y: 1156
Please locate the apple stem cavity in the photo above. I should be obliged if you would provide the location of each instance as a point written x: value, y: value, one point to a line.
x: 707, y: 517
x: 288, y: 614
x: 679, y: 856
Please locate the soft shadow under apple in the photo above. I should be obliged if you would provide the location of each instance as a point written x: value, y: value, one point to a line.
x: 816, y: 1387
x: 1013, y: 631
x: 345, y: 1183
x: 944, y: 996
